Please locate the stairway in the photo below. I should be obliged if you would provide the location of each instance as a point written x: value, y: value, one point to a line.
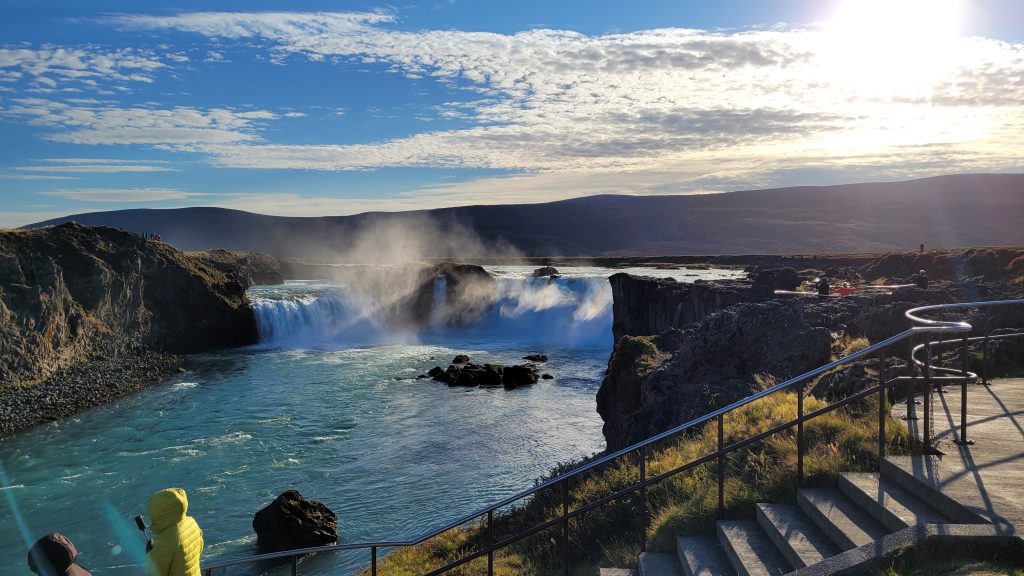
x: 823, y: 523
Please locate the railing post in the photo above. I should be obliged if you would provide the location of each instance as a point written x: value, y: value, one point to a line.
x: 565, y: 527
x: 721, y: 465
x: 490, y: 542
x: 984, y: 354
x: 963, y: 392
x: 912, y: 382
x: 643, y: 499
x: 927, y: 433
x: 373, y: 560
x: 800, y: 434
x: 881, y: 406
x: 295, y: 565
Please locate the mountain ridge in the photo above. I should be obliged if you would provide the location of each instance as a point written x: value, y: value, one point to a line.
x: 943, y: 211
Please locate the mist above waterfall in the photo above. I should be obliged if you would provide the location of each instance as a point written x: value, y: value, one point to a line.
x: 568, y: 312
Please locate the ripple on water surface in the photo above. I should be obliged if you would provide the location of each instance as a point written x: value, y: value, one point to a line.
x: 348, y: 425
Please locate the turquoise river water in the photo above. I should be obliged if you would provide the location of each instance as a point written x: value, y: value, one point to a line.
x: 328, y: 403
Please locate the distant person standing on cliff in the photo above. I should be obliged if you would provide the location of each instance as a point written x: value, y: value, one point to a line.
x: 921, y: 249
x: 54, y: 555
x: 179, y: 541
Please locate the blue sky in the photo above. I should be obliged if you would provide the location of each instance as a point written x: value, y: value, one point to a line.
x: 321, y: 108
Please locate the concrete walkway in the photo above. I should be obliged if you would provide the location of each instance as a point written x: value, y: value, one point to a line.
x: 988, y: 475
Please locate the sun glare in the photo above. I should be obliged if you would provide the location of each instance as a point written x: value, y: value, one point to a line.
x: 892, y: 45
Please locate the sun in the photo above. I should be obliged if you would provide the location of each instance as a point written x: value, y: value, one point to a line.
x: 892, y: 44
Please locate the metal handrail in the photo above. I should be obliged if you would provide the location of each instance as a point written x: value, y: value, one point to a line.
x: 924, y: 326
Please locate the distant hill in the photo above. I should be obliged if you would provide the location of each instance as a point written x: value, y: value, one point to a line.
x: 944, y: 211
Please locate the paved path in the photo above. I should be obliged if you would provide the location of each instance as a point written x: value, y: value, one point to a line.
x: 987, y: 476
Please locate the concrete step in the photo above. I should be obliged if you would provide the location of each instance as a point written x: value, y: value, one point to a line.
x: 891, y: 505
x: 703, y: 557
x: 617, y: 572
x: 846, y: 523
x: 658, y: 564
x: 750, y: 550
x: 922, y: 475
x: 796, y: 536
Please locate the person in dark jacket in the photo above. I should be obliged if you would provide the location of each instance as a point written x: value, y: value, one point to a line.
x: 823, y: 287
x: 921, y: 279
x: 54, y: 555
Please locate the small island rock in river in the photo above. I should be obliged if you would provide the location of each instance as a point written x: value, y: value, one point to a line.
x: 291, y: 522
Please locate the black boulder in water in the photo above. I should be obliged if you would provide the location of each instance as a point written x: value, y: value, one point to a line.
x: 291, y: 522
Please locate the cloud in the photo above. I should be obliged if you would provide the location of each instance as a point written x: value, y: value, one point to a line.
x: 96, y: 167
x: 83, y: 67
x: 34, y: 177
x: 124, y: 195
x: 109, y: 124
x: 557, y: 100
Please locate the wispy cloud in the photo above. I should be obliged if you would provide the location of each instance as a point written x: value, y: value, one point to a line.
x: 124, y: 195
x: 34, y: 177
x: 109, y: 124
x: 101, y: 167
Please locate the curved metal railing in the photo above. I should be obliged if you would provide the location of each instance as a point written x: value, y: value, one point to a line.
x: 921, y: 327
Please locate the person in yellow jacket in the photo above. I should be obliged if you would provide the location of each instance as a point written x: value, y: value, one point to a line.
x: 179, y: 541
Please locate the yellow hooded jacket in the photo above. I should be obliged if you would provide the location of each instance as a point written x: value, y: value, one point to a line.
x: 179, y: 541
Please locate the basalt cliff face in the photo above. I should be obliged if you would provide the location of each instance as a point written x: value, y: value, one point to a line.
x: 683, y: 350
x: 656, y: 382
x: 72, y: 296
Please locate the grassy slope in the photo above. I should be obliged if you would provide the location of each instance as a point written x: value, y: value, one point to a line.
x: 684, y: 504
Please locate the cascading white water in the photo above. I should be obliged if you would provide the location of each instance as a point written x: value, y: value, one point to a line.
x: 438, y: 305
x: 562, y: 311
x: 301, y: 313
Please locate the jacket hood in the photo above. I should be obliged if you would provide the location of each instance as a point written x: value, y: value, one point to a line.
x: 167, y: 508
x: 54, y: 555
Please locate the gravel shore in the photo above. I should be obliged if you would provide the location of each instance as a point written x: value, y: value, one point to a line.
x: 82, y: 386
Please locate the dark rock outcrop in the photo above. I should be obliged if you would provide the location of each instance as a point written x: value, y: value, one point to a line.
x: 291, y: 522
x: 536, y: 357
x: 251, y: 267
x: 478, y: 375
x: 544, y: 271
x: 470, y: 292
x: 486, y: 375
x: 72, y: 294
x: 771, y: 279
x: 645, y: 306
x: 460, y: 359
x: 655, y: 383
x: 516, y: 376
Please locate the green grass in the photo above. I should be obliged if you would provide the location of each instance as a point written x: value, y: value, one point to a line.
x: 843, y: 440
x: 969, y: 559
x: 842, y: 347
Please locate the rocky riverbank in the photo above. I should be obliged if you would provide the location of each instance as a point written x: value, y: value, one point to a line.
x: 90, y: 314
x: 81, y: 386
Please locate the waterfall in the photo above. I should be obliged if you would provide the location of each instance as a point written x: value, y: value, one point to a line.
x: 438, y: 305
x: 299, y: 313
x: 571, y: 312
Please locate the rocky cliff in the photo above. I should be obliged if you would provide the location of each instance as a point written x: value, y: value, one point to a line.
x: 72, y: 295
x: 683, y: 350
x: 645, y: 306
x: 682, y: 374
x: 252, y: 268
